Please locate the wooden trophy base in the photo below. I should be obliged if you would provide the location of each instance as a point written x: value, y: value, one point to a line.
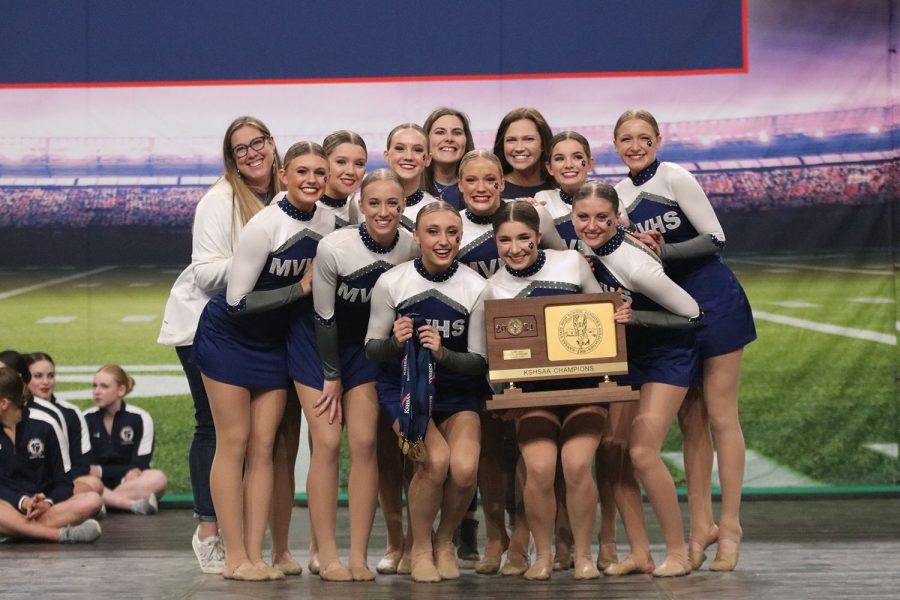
x: 607, y: 391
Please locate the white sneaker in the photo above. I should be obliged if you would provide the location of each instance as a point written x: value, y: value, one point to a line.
x: 85, y: 533
x: 210, y: 553
x: 145, y: 506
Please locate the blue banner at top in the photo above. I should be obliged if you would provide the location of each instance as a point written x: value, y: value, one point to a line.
x: 109, y: 42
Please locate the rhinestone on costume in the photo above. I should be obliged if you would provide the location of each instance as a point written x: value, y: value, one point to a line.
x: 529, y: 271
x: 421, y: 270
x: 293, y: 212
x: 370, y: 243
x: 479, y: 219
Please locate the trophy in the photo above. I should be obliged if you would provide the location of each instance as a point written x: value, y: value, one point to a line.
x: 555, y: 337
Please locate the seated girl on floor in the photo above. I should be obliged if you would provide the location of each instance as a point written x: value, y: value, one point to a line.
x: 122, y: 439
x: 36, y: 500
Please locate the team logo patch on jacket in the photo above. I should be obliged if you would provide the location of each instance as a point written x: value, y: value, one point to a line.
x: 35, y: 448
x: 127, y: 435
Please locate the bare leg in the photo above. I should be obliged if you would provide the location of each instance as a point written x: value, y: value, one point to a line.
x: 68, y: 512
x: 562, y: 527
x: 462, y: 431
x: 659, y: 404
x: 580, y: 435
x: 287, y: 445
x: 230, y: 406
x: 721, y: 380
x: 426, y: 491
x: 698, y: 457
x: 266, y: 411
x: 492, y: 484
x: 150, y: 481
x: 390, y: 494
x: 322, y: 485
x: 606, y: 537
x: 626, y: 490
x: 87, y: 483
x: 538, y: 434
x: 361, y: 416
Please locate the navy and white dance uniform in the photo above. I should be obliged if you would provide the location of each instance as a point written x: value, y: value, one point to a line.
x: 128, y: 445
x: 241, y: 337
x: 35, y: 462
x: 345, y: 210
x: 452, y: 303
x: 559, y: 204
x: 414, y: 203
x: 655, y: 354
x: 74, y: 429
x: 348, y: 264
x: 478, y: 249
x: 666, y: 197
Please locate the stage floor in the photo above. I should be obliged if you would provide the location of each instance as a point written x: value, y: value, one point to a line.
x: 792, y: 549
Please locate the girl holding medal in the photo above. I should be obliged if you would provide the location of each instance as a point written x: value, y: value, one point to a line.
x: 571, y: 433
x: 447, y: 296
x: 661, y: 360
x: 666, y: 197
x: 449, y: 138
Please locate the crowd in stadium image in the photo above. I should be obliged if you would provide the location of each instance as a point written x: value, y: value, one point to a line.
x: 355, y: 297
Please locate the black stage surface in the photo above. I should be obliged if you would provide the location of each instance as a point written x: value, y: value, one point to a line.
x: 832, y: 548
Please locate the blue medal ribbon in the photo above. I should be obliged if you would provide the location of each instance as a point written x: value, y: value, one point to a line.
x: 416, y: 393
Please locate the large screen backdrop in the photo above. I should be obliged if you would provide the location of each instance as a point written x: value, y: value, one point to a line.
x: 113, y: 116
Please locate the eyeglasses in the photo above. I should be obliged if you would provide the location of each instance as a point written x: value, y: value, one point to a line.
x: 257, y: 144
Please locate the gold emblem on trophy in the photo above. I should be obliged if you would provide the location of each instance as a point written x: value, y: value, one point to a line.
x: 515, y: 326
x: 580, y: 331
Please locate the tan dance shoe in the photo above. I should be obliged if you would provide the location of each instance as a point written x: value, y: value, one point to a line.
x: 424, y: 571
x: 446, y: 562
x: 289, y: 567
x: 584, y: 569
x: 335, y: 572
x: 540, y: 570
x: 629, y: 566
x: 516, y: 564
x: 673, y: 567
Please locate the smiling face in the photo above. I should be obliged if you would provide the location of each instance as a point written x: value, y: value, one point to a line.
x: 569, y: 165
x: 438, y: 235
x: 381, y: 205
x: 447, y: 140
x: 106, y: 391
x: 408, y: 154
x: 255, y: 166
x: 481, y: 183
x: 517, y: 244
x: 43, y: 378
x: 594, y: 220
x: 522, y: 145
x: 346, y: 168
x: 304, y: 177
x: 637, y: 143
